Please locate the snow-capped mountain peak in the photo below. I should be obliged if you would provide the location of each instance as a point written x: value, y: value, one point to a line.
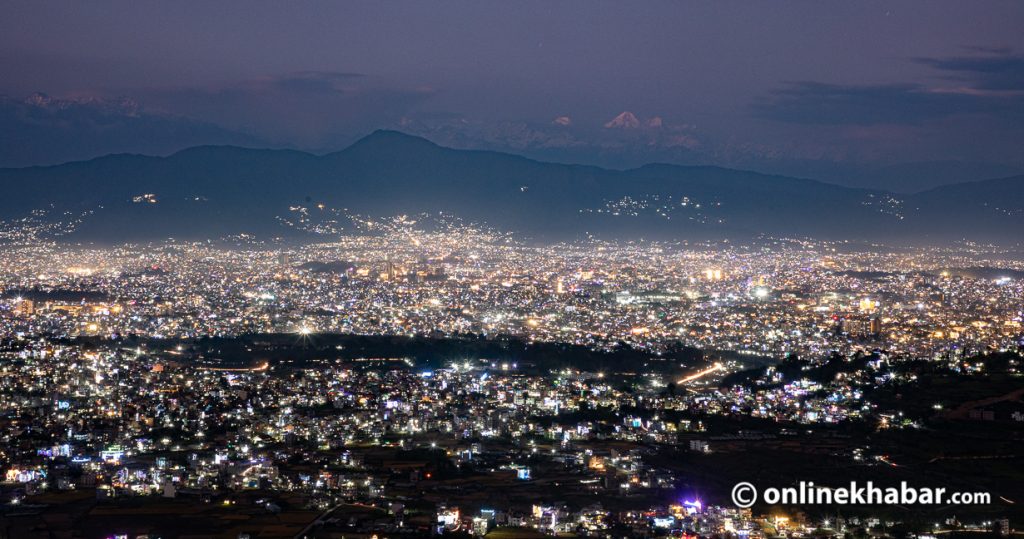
x: 625, y: 120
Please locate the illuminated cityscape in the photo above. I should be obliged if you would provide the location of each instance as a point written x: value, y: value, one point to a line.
x: 512, y: 270
x: 770, y: 299
x: 267, y: 381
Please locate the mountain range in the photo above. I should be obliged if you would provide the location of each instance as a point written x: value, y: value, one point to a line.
x: 41, y: 129
x: 217, y: 191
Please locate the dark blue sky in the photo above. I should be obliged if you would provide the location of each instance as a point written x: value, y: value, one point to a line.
x: 795, y: 87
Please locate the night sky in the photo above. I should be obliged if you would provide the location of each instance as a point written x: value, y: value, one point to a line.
x: 811, y: 88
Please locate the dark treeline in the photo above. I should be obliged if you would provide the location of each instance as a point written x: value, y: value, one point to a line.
x: 425, y: 351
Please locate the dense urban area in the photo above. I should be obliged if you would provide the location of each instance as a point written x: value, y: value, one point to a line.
x: 405, y: 382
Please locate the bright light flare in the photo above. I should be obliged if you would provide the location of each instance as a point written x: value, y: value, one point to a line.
x: 699, y: 374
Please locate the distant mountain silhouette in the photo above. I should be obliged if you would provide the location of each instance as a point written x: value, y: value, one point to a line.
x: 41, y: 130
x: 214, y: 191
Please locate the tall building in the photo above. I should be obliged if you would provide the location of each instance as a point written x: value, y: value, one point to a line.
x: 25, y: 307
x: 875, y: 327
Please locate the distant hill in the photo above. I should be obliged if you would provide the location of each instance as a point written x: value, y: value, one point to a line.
x: 42, y: 129
x: 216, y: 191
